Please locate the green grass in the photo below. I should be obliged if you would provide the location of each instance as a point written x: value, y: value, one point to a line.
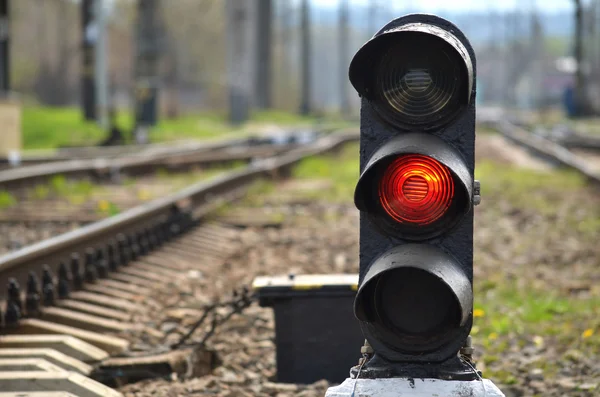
x: 205, y: 125
x: 342, y: 169
x: 76, y: 191
x: 519, y: 180
x: 7, y: 200
x: 256, y: 194
x: 514, y: 313
x: 39, y: 192
x: 542, y: 190
x: 511, y: 309
x: 53, y: 127
x: 108, y: 208
x: 48, y: 127
x: 533, y: 316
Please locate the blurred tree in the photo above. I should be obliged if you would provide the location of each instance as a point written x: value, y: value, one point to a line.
x: 196, y: 48
x: 582, y: 106
x: 285, y: 68
x: 43, y: 49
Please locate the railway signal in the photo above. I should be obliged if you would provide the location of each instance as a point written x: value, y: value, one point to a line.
x: 416, y: 194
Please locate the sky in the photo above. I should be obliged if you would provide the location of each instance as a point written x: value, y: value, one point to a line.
x: 463, y: 5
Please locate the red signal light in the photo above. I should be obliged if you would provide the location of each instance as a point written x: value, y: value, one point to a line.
x: 416, y: 189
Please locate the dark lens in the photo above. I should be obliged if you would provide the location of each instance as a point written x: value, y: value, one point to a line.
x: 413, y: 302
x: 419, y: 81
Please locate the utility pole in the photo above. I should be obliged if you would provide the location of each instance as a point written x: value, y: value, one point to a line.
x: 305, y: 59
x: 580, y: 93
x: 264, y: 57
x: 101, y: 77
x: 88, y: 67
x: 286, y: 80
x: 146, y: 68
x: 4, y: 48
x: 343, y: 47
x: 536, y: 47
x: 241, y: 49
x: 507, y: 85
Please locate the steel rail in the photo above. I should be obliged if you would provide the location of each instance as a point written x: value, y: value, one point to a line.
x: 546, y: 148
x: 198, y: 199
x: 36, y: 156
x: 581, y: 141
x: 197, y: 154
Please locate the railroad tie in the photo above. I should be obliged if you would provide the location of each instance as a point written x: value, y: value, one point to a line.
x: 63, y: 381
x: 65, y: 344
x: 106, y: 301
x: 52, y: 356
x: 110, y: 344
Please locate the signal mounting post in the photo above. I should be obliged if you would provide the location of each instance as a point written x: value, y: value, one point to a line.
x: 416, y: 194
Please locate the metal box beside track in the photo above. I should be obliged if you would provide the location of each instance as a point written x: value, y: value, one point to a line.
x: 316, y: 334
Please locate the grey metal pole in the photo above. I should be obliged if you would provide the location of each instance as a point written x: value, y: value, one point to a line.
x: 287, y: 79
x: 241, y: 49
x: 101, y: 60
x: 305, y: 59
x: 264, y: 56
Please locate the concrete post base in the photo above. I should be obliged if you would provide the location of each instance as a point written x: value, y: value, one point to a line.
x: 402, y: 387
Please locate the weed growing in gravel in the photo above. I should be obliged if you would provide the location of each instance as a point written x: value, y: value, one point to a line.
x: 40, y: 192
x: 162, y: 173
x: 83, y: 188
x: 59, y: 186
x: 58, y: 183
x: 342, y: 169
x: 255, y: 197
x: 536, y: 250
x: 514, y: 182
x: 108, y: 208
x: 7, y: 200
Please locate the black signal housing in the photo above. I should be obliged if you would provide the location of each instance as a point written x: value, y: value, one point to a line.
x: 366, y: 197
x: 439, y: 315
x: 415, y: 296
x: 439, y: 76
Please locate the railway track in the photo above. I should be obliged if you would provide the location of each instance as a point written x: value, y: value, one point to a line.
x: 167, y: 149
x: 89, y: 288
x: 35, y: 157
x: 135, y: 164
x: 583, y: 161
x: 581, y: 141
x: 40, y: 201
x: 42, y: 211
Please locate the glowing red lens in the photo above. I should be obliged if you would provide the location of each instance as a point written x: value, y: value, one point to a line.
x: 416, y: 189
